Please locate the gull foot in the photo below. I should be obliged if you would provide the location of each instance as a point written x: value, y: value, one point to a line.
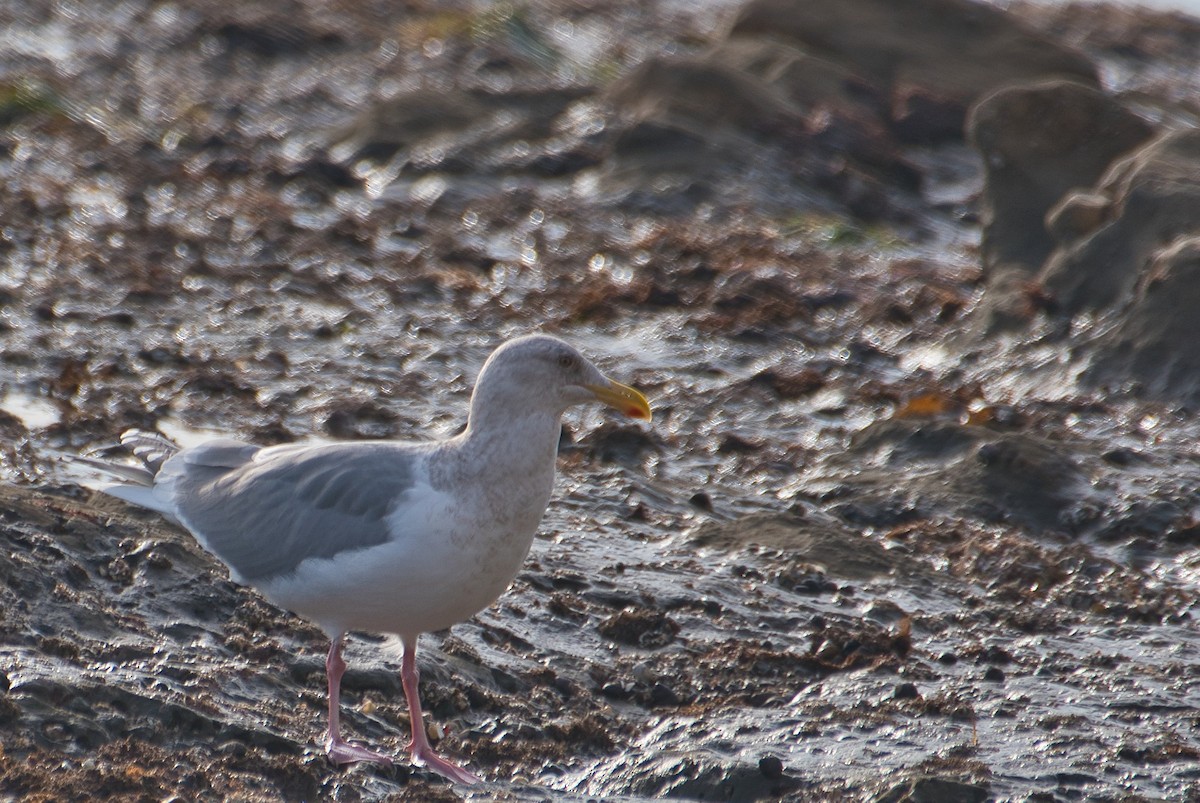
x: 342, y: 753
x: 453, y: 772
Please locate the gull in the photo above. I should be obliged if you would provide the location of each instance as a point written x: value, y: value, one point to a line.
x: 390, y: 537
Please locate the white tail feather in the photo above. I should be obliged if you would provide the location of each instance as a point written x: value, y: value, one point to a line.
x: 137, y: 487
x: 139, y: 495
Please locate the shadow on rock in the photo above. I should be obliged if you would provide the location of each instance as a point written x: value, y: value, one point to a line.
x: 942, y: 467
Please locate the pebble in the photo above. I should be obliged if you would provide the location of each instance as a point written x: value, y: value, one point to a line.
x: 662, y: 694
x: 771, y: 767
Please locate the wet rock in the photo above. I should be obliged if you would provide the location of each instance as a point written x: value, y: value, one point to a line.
x: 973, y: 470
x: 884, y: 612
x: 1144, y: 518
x: 1077, y: 214
x: 771, y: 767
x: 699, y: 94
x: 361, y: 420
x: 934, y: 790
x: 705, y: 775
x: 842, y: 647
x: 682, y: 122
x: 640, y: 627
x: 663, y: 695
x: 1152, y: 346
x: 1153, y: 209
x: 1184, y: 535
x: 802, y: 578
x: 840, y: 551
x: 1124, y: 457
x: 789, y: 384
x: 275, y: 37
x: 1037, y: 142
x: 682, y: 125
x: 406, y: 121
x: 928, y: 56
x: 616, y: 443
x: 736, y: 444
x: 811, y: 84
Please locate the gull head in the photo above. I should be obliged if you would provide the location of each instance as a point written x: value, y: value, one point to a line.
x: 543, y: 373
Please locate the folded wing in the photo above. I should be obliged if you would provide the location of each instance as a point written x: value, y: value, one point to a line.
x: 263, y: 512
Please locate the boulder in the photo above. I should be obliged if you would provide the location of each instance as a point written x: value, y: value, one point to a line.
x: 1154, y: 343
x: 843, y: 112
x: 1153, y: 202
x: 681, y: 124
x: 386, y: 127
x: 699, y: 92
x: 959, y: 469
x: 1037, y: 142
x: 932, y: 58
x: 689, y: 117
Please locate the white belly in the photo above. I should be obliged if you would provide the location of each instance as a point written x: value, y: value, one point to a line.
x: 454, y: 567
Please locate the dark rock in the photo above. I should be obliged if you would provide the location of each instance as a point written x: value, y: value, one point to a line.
x: 680, y: 124
x: 1038, y: 142
x: 1123, y: 457
x: 1184, y: 535
x: 842, y: 112
x: 973, y: 470
x: 914, y: 440
x: 906, y: 691
x: 732, y: 442
x: 640, y: 627
x: 360, y: 420
x: 406, y: 120
x: 1141, y: 249
x: 701, y: 501
x: 698, y: 94
x: 616, y: 443
x: 1153, y: 345
x: 1143, y: 518
x: 663, y: 695
x: 771, y: 767
x: 934, y: 790
x: 994, y: 674
x: 790, y: 384
x: 1077, y: 214
x: 932, y: 58
x: 683, y: 126
x: 275, y: 37
x: 809, y: 83
x: 823, y: 542
x: 703, y: 775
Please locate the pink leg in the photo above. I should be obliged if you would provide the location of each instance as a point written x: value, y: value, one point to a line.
x: 419, y: 747
x: 343, y: 752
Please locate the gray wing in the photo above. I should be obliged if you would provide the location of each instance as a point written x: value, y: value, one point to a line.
x: 265, y: 517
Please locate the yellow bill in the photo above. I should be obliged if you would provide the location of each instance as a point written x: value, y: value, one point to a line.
x: 623, y: 398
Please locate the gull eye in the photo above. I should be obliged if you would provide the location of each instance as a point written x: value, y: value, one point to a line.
x: 566, y: 361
